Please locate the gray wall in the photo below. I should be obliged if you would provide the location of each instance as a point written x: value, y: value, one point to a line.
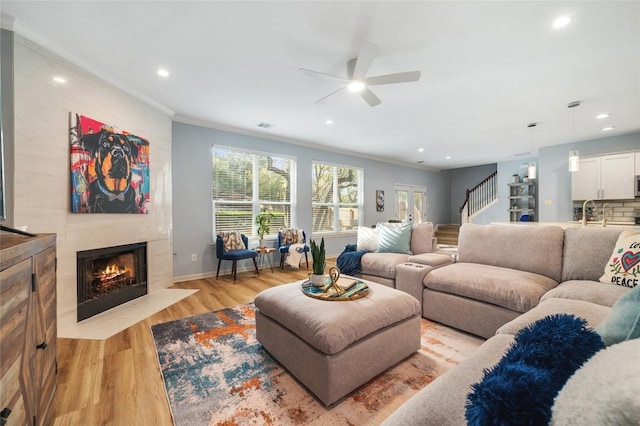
x: 192, y: 205
x: 555, y: 178
x: 463, y: 179
x: 6, y: 73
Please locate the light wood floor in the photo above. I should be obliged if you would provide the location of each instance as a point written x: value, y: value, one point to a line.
x: 117, y: 381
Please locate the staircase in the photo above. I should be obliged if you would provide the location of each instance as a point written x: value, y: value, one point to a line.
x: 479, y: 198
x: 447, y: 234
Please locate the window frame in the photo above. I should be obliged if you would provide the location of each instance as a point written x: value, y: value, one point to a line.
x: 336, y: 204
x: 255, y: 202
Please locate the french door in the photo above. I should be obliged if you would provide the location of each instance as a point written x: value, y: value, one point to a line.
x: 411, y: 203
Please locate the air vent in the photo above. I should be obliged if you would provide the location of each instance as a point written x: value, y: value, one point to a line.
x: 265, y: 125
x: 522, y: 154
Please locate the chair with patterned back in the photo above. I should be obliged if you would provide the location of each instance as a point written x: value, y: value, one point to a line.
x: 289, y: 236
x: 233, y: 246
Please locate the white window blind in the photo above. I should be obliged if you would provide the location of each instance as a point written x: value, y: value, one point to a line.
x: 336, y: 198
x: 244, y: 183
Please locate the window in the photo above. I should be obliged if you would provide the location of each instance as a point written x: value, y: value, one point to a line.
x: 245, y: 182
x: 336, y: 198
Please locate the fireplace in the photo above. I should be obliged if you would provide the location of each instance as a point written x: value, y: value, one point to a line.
x: 111, y: 276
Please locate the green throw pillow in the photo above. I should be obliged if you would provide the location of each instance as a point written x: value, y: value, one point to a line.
x: 394, y: 238
x: 623, y: 322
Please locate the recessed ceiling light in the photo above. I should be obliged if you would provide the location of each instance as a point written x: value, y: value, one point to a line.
x: 603, y: 115
x: 355, y: 86
x: 606, y: 129
x: 448, y: 157
x: 163, y: 72
x: 59, y: 79
x: 329, y: 122
x: 420, y: 149
x: 561, y: 21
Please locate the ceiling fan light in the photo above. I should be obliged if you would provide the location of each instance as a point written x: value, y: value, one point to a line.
x: 356, y: 86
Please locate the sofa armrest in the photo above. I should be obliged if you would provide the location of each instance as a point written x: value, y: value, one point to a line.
x: 431, y: 259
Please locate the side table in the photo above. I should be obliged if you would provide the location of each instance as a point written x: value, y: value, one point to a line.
x: 264, y: 257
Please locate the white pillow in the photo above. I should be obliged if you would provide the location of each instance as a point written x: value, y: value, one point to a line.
x: 367, y: 239
x: 623, y: 268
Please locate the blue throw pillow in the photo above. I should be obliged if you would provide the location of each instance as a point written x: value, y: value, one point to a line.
x: 394, y: 238
x: 520, y: 388
x: 623, y: 322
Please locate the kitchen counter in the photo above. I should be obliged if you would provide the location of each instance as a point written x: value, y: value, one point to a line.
x: 626, y: 225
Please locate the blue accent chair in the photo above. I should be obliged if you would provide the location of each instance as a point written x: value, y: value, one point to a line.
x: 235, y: 255
x: 284, y: 249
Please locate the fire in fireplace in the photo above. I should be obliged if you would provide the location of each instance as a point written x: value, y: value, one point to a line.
x: 109, y: 277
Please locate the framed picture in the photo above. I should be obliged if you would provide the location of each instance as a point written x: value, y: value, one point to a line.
x: 379, y: 200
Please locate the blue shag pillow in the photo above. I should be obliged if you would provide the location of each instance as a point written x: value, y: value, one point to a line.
x: 521, y: 387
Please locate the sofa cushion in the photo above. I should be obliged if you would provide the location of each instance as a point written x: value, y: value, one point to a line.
x: 382, y: 264
x: 525, y: 248
x: 589, y: 291
x: 367, y: 239
x: 394, y: 239
x: 520, y: 389
x: 511, y: 289
x: 422, y: 238
x: 431, y: 259
x: 586, y: 251
x: 604, y: 391
x: 591, y: 312
x: 623, y: 322
x: 623, y: 268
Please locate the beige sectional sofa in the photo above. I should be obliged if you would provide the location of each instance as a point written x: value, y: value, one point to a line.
x: 506, y: 278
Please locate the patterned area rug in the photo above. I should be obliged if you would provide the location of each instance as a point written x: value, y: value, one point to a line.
x: 216, y: 373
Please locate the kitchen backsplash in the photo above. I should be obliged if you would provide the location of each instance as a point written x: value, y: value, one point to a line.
x: 615, y: 211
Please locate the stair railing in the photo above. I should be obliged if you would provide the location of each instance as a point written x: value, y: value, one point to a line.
x: 479, y: 197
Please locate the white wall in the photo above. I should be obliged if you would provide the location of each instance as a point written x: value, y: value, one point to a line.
x: 42, y: 178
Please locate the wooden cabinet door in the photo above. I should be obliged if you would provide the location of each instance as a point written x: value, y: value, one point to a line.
x: 617, y: 177
x: 585, y: 183
x: 44, y: 303
x: 16, y: 366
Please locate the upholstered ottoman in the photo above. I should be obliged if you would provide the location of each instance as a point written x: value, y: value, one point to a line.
x: 333, y: 347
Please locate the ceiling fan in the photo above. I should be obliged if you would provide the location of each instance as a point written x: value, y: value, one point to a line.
x: 356, y: 71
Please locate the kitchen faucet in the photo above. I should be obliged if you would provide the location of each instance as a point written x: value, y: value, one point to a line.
x: 584, y: 211
x: 604, y: 215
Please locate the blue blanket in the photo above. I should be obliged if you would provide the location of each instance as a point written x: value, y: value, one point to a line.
x: 349, y: 261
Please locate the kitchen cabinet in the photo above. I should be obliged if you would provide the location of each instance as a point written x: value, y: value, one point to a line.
x: 28, y: 334
x: 607, y: 177
x: 522, y: 200
x: 638, y: 163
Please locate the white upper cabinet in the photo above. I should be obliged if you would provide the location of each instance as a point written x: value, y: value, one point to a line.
x: 638, y: 163
x: 608, y: 177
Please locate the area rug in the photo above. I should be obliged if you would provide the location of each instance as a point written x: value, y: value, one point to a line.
x: 217, y: 373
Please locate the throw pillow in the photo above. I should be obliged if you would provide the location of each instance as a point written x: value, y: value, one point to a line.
x: 394, y: 239
x: 232, y: 240
x: 521, y: 387
x: 289, y: 236
x: 367, y: 239
x: 623, y: 322
x: 623, y: 268
x: 604, y: 391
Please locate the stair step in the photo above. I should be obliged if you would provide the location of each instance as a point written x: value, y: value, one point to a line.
x: 447, y: 234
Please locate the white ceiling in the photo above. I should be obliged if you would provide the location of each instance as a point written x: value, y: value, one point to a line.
x: 488, y: 69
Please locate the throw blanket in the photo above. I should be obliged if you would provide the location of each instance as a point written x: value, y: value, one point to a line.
x: 295, y: 255
x: 349, y: 261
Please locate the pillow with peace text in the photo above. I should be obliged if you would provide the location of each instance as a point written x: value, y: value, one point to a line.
x: 623, y: 267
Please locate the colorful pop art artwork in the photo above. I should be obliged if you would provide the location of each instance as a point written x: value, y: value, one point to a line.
x: 109, y: 168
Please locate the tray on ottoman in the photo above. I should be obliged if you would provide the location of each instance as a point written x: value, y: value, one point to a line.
x: 333, y: 348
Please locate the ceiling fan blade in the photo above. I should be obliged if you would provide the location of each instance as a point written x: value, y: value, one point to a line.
x: 321, y: 100
x: 401, y: 77
x: 321, y: 74
x: 371, y: 99
x: 367, y: 54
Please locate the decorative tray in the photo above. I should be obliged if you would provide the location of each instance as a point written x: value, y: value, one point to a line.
x: 352, y: 290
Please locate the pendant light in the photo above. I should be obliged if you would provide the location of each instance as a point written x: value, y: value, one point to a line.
x: 574, y: 155
x: 531, y: 169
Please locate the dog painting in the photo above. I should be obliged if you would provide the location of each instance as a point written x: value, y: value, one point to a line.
x: 109, y: 168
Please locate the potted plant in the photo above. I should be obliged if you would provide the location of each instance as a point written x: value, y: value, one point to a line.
x: 318, y: 254
x: 263, y: 220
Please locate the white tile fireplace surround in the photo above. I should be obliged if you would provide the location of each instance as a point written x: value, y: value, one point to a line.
x: 42, y: 179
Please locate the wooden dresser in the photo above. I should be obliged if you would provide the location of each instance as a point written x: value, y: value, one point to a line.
x: 27, y: 328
